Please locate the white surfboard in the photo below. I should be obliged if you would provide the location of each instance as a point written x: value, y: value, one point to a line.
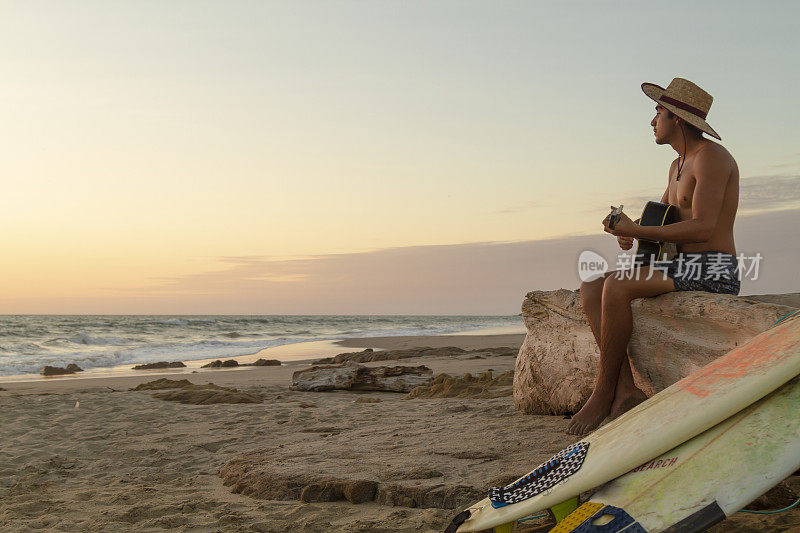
x: 706, y: 479
x: 694, y: 404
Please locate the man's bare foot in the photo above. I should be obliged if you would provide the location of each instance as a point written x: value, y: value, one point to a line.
x: 624, y: 402
x: 591, y: 415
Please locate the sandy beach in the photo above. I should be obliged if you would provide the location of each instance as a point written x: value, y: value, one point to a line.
x: 90, y: 454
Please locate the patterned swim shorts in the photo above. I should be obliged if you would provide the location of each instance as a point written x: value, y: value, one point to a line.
x: 701, y: 271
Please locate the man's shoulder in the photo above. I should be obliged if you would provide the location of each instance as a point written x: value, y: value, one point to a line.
x: 713, y: 151
x: 713, y: 154
x: 714, y: 160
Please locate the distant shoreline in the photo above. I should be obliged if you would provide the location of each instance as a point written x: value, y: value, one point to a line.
x: 293, y: 355
x: 116, y: 344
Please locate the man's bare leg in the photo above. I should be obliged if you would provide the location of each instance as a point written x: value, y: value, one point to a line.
x: 626, y: 394
x: 615, y: 332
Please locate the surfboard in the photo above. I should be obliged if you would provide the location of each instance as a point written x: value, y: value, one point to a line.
x: 687, y: 408
x: 706, y: 479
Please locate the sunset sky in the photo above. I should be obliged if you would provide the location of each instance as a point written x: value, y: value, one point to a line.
x: 365, y: 157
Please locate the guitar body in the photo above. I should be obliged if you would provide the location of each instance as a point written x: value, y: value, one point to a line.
x: 657, y: 214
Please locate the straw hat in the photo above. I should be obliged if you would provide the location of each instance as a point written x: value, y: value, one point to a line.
x: 686, y: 100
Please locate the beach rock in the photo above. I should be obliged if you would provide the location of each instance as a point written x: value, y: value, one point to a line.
x: 71, y: 368
x: 208, y: 396
x: 370, y: 356
x: 160, y: 364
x: 356, y: 357
x: 244, y: 478
x: 230, y: 363
x: 673, y: 335
x: 188, y: 392
x: 331, y: 491
x: 352, y: 376
x: 53, y: 371
x: 468, y: 386
x: 165, y: 383
x: 265, y: 362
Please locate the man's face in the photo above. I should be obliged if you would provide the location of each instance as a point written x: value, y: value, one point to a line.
x: 663, y: 126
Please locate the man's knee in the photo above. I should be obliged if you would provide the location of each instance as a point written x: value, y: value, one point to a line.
x: 596, y: 285
x: 615, y: 289
x: 592, y: 290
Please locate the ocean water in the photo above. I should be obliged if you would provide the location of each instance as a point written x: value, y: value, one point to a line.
x: 28, y: 342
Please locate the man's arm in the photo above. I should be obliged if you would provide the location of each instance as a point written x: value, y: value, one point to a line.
x: 711, y: 172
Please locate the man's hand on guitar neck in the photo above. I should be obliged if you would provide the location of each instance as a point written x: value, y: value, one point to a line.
x: 625, y: 227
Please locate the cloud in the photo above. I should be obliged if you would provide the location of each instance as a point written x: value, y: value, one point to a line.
x: 243, y: 274
x: 791, y: 164
x: 769, y: 193
x: 632, y: 203
x: 476, y: 278
x: 756, y: 194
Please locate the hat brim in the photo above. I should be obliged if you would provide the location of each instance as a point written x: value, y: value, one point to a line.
x: 655, y: 92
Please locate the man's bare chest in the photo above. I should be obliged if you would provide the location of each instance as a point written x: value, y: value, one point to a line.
x: 681, y: 190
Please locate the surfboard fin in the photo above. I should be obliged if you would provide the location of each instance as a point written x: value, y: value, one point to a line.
x: 506, y: 528
x: 561, y: 510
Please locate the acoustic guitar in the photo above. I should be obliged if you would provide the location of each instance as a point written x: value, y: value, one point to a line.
x: 657, y: 214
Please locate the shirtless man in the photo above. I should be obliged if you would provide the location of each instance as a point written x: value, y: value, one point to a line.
x: 704, y: 185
